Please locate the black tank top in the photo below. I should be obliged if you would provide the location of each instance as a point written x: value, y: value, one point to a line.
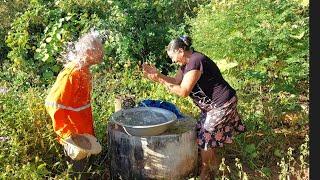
x: 211, y: 90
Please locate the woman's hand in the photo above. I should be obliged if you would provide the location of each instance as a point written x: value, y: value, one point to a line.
x: 151, y: 72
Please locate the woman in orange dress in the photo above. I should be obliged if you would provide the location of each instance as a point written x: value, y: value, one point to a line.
x: 68, y: 102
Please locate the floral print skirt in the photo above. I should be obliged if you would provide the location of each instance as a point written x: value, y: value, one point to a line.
x: 217, y: 126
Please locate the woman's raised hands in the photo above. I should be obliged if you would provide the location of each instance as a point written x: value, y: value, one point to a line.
x: 150, y: 71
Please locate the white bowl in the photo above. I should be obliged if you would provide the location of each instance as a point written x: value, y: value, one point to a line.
x: 152, y: 120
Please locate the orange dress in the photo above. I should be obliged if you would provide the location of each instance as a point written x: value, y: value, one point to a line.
x: 68, y: 102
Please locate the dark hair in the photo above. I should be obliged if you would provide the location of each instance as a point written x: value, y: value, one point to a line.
x: 183, y: 42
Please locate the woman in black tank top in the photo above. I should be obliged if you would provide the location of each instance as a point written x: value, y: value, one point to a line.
x: 200, y: 78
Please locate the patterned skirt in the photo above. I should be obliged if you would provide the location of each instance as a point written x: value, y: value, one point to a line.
x: 217, y: 126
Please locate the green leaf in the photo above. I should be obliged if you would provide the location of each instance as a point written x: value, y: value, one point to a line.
x: 55, y: 68
x: 266, y: 171
x: 48, y: 39
x: 304, y: 3
x: 294, y: 60
x: 277, y: 153
x: 38, y: 50
x: 251, y: 148
x: 41, y: 166
x: 47, y: 75
x: 299, y: 36
x: 225, y: 65
x: 45, y: 58
x: 68, y: 18
x: 58, y: 36
x: 268, y: 60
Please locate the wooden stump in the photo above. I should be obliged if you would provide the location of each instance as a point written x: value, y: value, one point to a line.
x: 171, y: 155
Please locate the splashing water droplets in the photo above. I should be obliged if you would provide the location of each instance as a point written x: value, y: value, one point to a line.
x: 76, y: 51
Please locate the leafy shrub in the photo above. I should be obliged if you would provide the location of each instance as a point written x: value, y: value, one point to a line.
x: 8, y: 11
x: 138, y: 31
x: 267, y: 43
x: 30, y: 149
x: 39, y: 35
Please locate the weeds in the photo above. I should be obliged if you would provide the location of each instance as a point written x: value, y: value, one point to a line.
x: 290, y: 167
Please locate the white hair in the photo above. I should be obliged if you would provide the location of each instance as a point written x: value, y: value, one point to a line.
x: 77, y: 50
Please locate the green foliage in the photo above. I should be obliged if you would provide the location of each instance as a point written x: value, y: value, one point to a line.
x: 136, y: 31
x: 140, y: 30
x: 251, y: 153
x: 30, y: 150
x: 38, y: 37
x: 261, y: 47
x: 293, y: 165
x: 8, y: 11
x: 290, y: 167
x: 268, y: 41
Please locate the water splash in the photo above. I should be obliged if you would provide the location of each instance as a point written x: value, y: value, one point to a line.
x: 76, y: 50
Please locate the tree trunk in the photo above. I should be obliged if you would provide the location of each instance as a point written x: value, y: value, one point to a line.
x: 171, y: 155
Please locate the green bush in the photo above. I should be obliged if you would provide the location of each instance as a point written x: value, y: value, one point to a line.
x: 30, y: 149
x: 38, y: 37
x: 264, y: 47
x: 138, y: 31
x: 8, y: 12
